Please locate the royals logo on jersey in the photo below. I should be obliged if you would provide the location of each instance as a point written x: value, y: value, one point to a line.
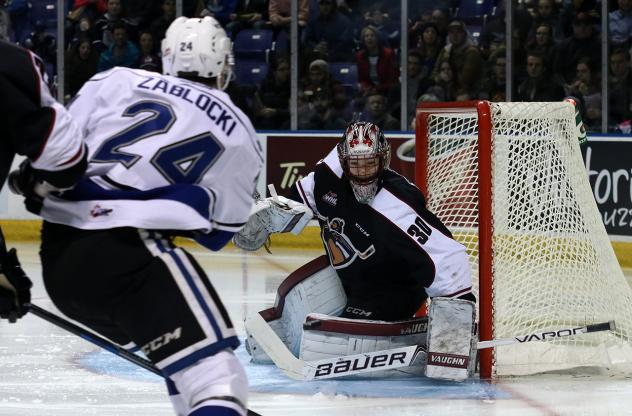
x: 339, y: 247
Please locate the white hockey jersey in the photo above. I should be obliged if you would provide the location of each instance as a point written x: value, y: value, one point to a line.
x: 164, y: 153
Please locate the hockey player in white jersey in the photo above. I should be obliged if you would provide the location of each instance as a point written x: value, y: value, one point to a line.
x: 169, y: 155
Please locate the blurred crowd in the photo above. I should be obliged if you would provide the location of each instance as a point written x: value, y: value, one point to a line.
x: 349, y: 53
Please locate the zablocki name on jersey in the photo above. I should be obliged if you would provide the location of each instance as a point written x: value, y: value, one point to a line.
x: 204, y: 102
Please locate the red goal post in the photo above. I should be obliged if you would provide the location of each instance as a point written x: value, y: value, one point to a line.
x: 485, y: 210
x: 509, y: 181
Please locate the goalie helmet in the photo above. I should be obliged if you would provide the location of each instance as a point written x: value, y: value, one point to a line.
x: 364, y: 154
x: 197, y: 47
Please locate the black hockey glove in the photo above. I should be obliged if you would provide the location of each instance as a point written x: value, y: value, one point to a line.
x: 23, y: 182
x: 15, y: 287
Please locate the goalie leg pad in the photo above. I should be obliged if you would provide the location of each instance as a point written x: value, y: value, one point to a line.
x: 298, y: 295
x: 451, y: 339
x: 331, y: 337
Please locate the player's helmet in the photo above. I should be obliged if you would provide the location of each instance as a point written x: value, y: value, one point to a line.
x: 198, y: 47
x: 364, y: 154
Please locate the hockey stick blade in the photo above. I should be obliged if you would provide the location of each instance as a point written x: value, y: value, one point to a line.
x: 547, y: 335
x: 274, y: 347
x: 298, y: 369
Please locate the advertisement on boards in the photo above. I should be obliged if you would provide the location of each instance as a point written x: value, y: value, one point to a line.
x: 609, y: 167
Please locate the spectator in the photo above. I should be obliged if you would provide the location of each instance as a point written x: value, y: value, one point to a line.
x: 543, y: 43
x: 377, y: 112
x: 417, y: 83
x: 587, y: 88
x: 324, y: 116
x: 388, y: 30
x: 439, y: 17
x: 305, y: 109
x: 272, y: 100
x: 619, y: 87
x: 465, y: 58
x: 84, y: 29
x: 377, y: 65
x: 620, y: 24
x: 148, y: 59
x: 547, y: 14
x: 218, y: 9
x: 539, y: 86
x: 122, y: 52
x: 494, y: 32
x: 584, y: 43
x: 92, y: 9
x: 279, y: 12
x: 429, y: 45
x: 571, y: 8
x: 495, y: 84
x: 444, y: 83
x: 104, y: 24
x: 81, y: 64
x: 330, y: 35
x: 319, y: 79
x: 249, y: 14
x: 159, y: 26
x: 424, y: 98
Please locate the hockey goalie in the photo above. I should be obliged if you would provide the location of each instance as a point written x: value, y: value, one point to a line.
x: 386, y: 254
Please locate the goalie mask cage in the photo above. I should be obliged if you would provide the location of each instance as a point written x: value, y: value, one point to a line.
x: 509, y: 181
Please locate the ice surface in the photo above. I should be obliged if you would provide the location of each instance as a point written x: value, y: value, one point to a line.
x: 45, y: 371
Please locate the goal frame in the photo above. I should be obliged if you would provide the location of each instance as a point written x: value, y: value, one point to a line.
x: 484, y: 116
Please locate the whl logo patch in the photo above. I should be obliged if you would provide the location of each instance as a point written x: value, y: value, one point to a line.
x: 331, y: 198
x: 98, y: 211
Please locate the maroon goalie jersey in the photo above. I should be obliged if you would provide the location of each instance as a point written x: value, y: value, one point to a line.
x: 392, y: 248
x: 33, y: 123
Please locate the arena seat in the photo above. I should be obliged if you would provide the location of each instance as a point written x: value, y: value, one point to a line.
x: 250, y: 72
x: 469, y: 8
x: 253, y: 44
x: 44, y: 13
x: 346, y: 74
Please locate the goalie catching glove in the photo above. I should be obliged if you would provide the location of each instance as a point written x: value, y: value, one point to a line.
x: 276, y: 214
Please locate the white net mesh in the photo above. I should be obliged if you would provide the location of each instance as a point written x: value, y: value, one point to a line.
x: 553, y: 265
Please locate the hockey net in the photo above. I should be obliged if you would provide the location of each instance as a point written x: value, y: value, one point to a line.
x: 509, y: 181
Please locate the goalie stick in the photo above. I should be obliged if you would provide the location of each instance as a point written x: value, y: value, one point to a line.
x: 547, y: 335
x: 298, y: 369
x: 94, y: 338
